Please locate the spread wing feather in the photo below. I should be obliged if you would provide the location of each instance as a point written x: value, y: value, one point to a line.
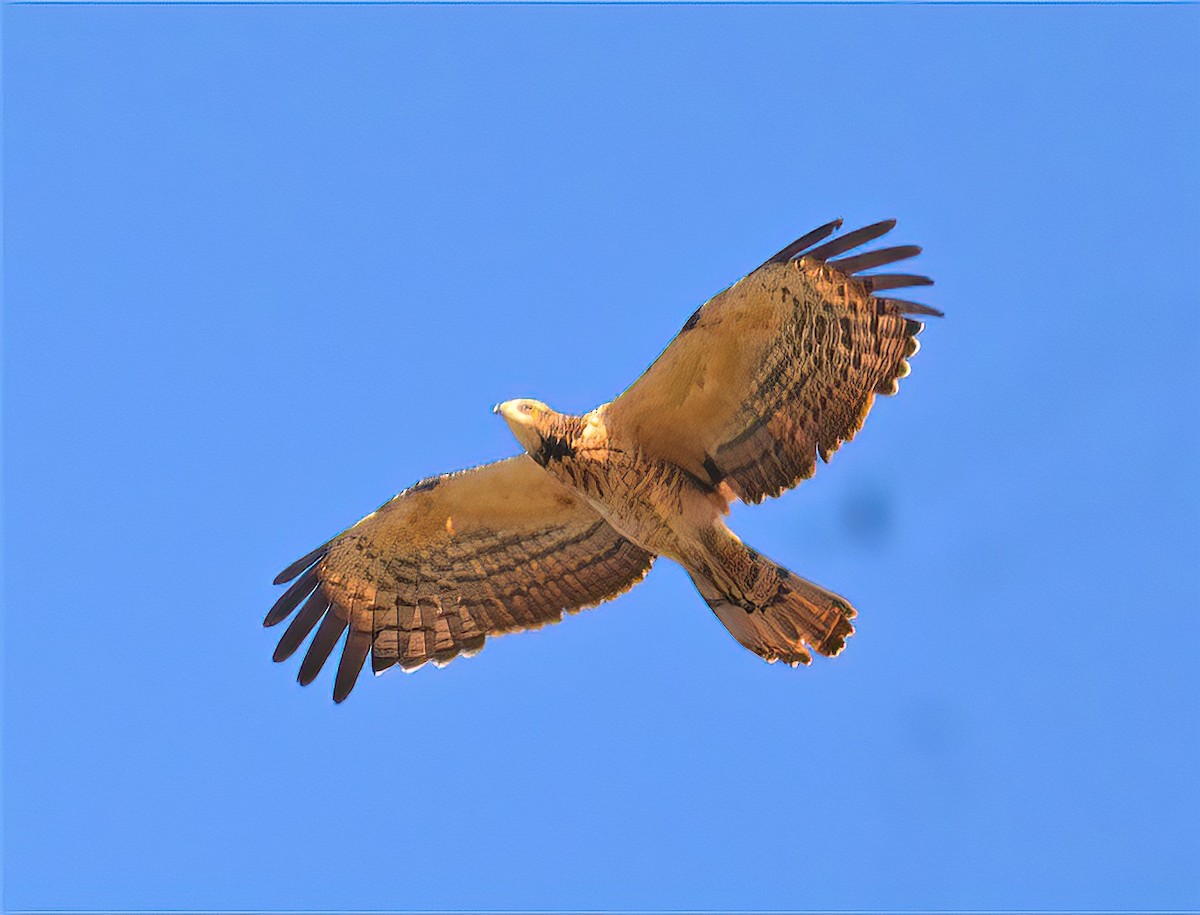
x: 448, y: 562
x: 779, y: 368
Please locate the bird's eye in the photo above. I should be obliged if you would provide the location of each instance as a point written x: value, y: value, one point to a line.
x: 525, y: 408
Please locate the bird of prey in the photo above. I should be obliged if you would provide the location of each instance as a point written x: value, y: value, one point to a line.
x: 768, y: 375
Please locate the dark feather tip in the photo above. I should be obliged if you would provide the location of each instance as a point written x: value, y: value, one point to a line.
x: 290, y: 598
x: 881, y: 281
x: 851, y: 240
x: 805, y: 241
x: 904, y: 307
x: 302, y: 625
x: 358, y: 646
x: 870, y: 259
x: 381, y: 662
x: 301, y: 564
x: 330, y: 630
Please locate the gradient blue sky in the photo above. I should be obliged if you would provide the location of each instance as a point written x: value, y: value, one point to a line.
x: 266, y: 266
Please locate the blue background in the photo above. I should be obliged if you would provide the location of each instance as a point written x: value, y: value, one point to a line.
x: 266, y: 266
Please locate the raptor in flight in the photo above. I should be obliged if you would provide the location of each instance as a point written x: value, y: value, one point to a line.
x: 769, y: 374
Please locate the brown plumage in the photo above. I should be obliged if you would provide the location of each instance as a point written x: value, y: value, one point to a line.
x: 769, y: 375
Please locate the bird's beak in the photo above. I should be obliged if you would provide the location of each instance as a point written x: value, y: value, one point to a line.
x: 496, y: 409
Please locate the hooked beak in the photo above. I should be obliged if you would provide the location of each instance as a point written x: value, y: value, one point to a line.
x: 496, y: 409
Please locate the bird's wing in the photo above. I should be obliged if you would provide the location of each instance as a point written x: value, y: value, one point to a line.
x: 448, y: 562
x: 778, y: 368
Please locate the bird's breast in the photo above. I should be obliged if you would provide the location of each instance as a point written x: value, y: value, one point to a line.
x: 650, y: 502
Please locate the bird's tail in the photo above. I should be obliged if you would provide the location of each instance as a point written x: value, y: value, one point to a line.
x: 773, y: 612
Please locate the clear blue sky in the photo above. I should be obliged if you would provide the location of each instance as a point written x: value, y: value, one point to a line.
x: 266, y: 266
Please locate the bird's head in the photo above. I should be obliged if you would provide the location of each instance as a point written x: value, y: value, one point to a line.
x: 530, y: 420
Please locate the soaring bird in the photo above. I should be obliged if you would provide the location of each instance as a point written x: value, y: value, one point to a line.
x: 769, y: 374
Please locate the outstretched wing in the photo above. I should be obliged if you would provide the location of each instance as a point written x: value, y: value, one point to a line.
x: 779, y: 368
x: 448, y: 562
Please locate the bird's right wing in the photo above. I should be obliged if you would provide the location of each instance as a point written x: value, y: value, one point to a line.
x: 448, y: 562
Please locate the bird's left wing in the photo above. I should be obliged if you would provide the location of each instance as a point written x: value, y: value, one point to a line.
x: 448, y: 562
x: 779, y: 368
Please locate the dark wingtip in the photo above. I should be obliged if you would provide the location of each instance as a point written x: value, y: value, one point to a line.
x: 358, y: 646
x: 301, y: 564
x: 878, y: 258
x: 319, y: 649
x: 851, y: 240
x: 302, y: 625
x: 804, y: 242
x: 878, y: 282
x: 905, y: 307
x: 290, y: 598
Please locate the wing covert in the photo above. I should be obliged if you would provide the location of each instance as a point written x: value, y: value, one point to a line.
x: 448, y: 562
x: 780, y: 368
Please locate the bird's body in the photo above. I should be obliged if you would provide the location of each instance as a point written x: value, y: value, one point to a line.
x: 766, y: 377
x: 666, y: 511
x: 649, y: 500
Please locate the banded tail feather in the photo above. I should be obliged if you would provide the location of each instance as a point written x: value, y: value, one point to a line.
x: 799, y: 617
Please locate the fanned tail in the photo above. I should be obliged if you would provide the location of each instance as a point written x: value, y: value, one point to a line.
x: 793, y: 617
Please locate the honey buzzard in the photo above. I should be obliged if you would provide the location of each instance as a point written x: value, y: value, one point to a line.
x: 766, y: 376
